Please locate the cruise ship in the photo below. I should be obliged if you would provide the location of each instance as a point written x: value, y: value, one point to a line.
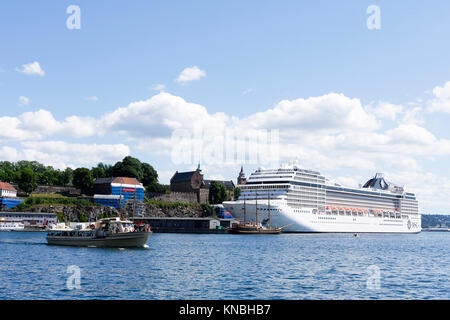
x: 305, y: 201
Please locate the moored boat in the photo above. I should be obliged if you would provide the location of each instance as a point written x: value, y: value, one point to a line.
x: 11, y: 226
x: 253, y: 228
x: 250, y: 227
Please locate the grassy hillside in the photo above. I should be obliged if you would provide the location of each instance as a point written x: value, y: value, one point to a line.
x: 52, y: 200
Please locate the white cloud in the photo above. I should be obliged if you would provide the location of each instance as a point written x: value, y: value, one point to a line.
x: 93, y: 98
x: 159, y: 116
x: 411, y: 134
x: 8, y: 154
x: 190, y: 74
x: 79, y: 127
x: 413, y: 116
x: 332, y: 133
x: 330, y: 112
x: 441, y: 101
x: 24, y: 101
x: 386, y: 110
x: 159, y: 87
x: 40, y: 124
x: 11, y: 131
x: 32, y: 68
x: 61, y: 154
x: 247, y: 91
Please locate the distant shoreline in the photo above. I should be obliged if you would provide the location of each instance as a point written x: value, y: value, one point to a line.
x: 436, y: 229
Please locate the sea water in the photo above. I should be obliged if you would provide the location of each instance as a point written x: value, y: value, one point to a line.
x: 226, y: 266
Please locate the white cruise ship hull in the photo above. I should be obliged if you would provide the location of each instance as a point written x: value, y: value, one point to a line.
x: 304, y: 220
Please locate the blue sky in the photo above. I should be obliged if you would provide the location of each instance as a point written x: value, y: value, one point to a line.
x: 253, y: 54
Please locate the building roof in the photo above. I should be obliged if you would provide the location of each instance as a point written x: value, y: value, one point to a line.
x: 182, y: 176
x: 6, y: 186
x: 122, y: 180
x: 227, y: 183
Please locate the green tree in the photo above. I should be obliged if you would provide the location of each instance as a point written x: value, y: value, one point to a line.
x: 217, y: 192
x: 128, y: 167
x: 107, y: 168
x: 157, y: 188
x: 7, y: 172
x: 237, y: 192
x: 66, y: 177
x: 27, y: 180
x: 83, y: 180
x: 149, y: 175
x: 98, y: 172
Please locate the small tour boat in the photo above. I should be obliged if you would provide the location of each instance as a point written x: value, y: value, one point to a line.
x: 109, y: 232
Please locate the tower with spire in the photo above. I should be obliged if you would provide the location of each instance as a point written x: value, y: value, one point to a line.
x: 241, y: 178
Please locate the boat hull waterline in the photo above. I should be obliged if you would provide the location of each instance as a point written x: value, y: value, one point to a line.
x: 309, y: 222
x: 135, y: 239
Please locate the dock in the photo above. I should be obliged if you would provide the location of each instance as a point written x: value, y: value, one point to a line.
x: 186, y: 225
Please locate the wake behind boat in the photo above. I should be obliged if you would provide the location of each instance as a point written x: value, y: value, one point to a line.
x: 109, y: 232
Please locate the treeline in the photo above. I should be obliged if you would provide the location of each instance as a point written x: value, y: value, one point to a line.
x: 29, y: 174
x: 433, y: 220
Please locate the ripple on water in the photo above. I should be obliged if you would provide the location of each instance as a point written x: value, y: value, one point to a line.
x: 187, y: 266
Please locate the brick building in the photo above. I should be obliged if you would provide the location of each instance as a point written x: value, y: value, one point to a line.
x: 190, y: 181
x: 193, y: 182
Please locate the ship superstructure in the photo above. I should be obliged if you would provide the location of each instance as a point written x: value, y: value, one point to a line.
x: 308, y: 202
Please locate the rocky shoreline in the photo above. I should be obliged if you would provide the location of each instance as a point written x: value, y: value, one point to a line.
x: 93, y: 213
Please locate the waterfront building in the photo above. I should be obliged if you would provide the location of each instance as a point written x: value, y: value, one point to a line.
x: 7, y: 190
x: 117, y: 191
x: 8, y: 196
